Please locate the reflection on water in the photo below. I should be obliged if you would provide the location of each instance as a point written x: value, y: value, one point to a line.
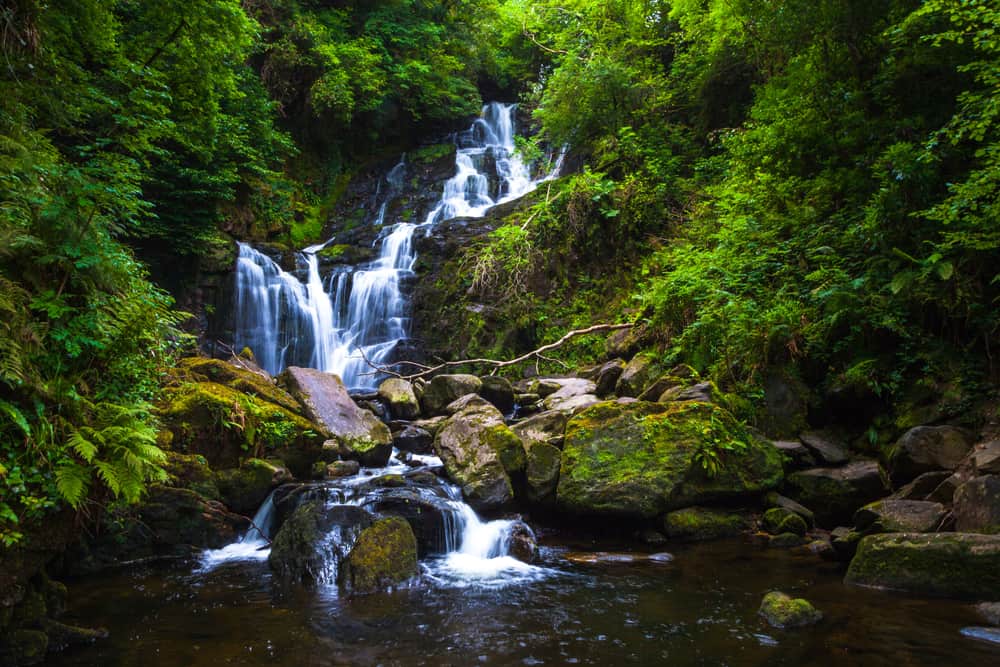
x: 699, y: 610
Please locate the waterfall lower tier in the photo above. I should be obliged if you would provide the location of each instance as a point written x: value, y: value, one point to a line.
x: 349, y: 320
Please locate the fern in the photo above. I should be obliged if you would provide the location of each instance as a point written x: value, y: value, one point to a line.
x: 72, y: 481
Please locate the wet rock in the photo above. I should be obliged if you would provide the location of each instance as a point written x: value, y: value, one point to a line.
x: 523, y: 545
x: 783, y: 611
x: 360, y: 434
x: 548, y: 427
x: 479, y: 452
x: 774, y: 499
x: 617, y: 558
x: 638, y: 374
x: 384, y: 554
x: 845, y: 542
x: 303, y: 551
x: 399, y: 396
x: 473, y: 401
x: 977, y: 505
x: 779, y: 520
x: 426, y: 513
x: 243, y: 489
x: 985, y: 458
x: 700, y: 524
x: 573, y: 405
x: 835, y: 494
x: 927, y: 448
x: 900, y: 516
x: 607, y: 377
x: 923, y: 486
x: 413, y: 439
x: 542, y: 471
x: 639, y: 459
x: 989, y: 612
x: 961, y: 565
x: 342, y: 469
x: 443, y: 389
x: 795, y: 453
x: 499, y: 392
x: 826, y: 446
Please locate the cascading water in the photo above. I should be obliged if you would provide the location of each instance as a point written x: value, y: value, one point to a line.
x: 354, y: 319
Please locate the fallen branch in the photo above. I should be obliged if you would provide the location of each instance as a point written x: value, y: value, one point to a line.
x: 494, y: 364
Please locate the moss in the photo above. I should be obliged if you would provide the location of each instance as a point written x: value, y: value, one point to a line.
x: 432, y: 153
x: 778, y: 520
x: 335, y: 251
x: 700, y: 524
x: 195, y: 369
x: 384, y: 554
x: 508, y: 447
x: 542, y: 471
x: 783, y: 611
x: 191, y: 471
x: 243, y: 489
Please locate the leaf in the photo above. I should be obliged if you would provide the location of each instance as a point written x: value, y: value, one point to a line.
x: 945, y: 270
x: 72, y: 481
x: 16, y: 416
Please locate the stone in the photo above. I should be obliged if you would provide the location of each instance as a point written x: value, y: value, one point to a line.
x: 959, y: 565
x: 339, y: 469
x: 607, y: 377
x: 573, y: 405
x: 700, y: 524
x: 638, y: 374
x: 827, y: 447
x: 479, y: 452
x: 62, y: 636
x: 977, y: 505
x: 429, y: 515
x: 385, y: 554
x: 927, y: 448
x: 400, y: 398
x: 786, y: 541
x: 360, y: 433
x: 642, y: 459
x: 703, y: 392
x: 923, y: 486
x: 782, y: 611
x: 617, y: 558
x: 569, y: 388
x: 548, y: 427
x: 835, y: 494
x: 989, y: 612
x: 845, y: 542
x: 499, y: 392
x: 654, y: 391
x: 985, y: 458
x: 774, y: 499
x: 243, y: 489
x: 523, y: 545
x: 191, y: 471
x: 542, y: 472
x: 24, y: 647
x: 945, y: 491
x: 797, y: 456
x: 443, y: 389
x: 778, y: 520
x: 900, y: 516
x: 180, y: 516
x: 544, y: 387
x: 300, y: 552
x: 474, y: 401
x: 247, y: 378
x: 432, y: 425
x: 413, y: 439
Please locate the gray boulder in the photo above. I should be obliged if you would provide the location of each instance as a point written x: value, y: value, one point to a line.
x: 977, y: 505
x: 607, y: 377
x: 834, y: 494
x: 826, y: 446
x: 927, y: 448
x: 443, y: 389
x: 400, y: 398
x: 638, y: 374
x: 900, y: 516
x: 499, y: 392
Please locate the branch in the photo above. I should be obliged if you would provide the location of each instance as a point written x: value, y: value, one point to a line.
x: 495, y: 364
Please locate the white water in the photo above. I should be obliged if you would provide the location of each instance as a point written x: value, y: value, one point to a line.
x: 351, y: 319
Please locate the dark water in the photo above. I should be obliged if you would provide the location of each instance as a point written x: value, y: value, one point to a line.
x: 699, y: 610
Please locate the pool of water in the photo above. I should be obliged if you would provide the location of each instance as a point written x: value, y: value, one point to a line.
x: 699, y: 609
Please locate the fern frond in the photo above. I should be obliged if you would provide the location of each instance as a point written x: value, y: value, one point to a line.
x: 72, y: 481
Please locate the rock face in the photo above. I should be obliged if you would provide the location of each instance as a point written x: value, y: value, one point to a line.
x: 398, y: 395
x: 699, y: 524
x: 413, y: 439
x: 642, y: 459
x: 300, y: 551
x: 360, y: 434
x: 783, y: 611
x: 962, y: 565
x: 385, y: 554
x: 479, y: 452
x: 835, y: 493
x: 900, y: 516
x: 443, y: 389
x: 977, y: 505
x: 927, y: 448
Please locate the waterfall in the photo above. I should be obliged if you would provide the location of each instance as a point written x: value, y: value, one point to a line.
x: 352, y: 318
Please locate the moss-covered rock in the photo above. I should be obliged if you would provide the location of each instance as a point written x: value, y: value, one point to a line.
x: 961, y: 565
x: 243, y: 489
x: 443, y: 389
x: 783, y: 611
x: 899, y: 516
x: 778, y: 520
x: 642, y: 459
x: 700, y: 524
x: 24, y: 647
x: 542, y: 472
x: 834, y: 494
x: 384, y: 554
x: 239, y: 378
x: 977, y: 505
x: 925, y: 449
x: 302, y: 551
x: 191, y: 471
x: 499, y: 392
x: 398, y: 395
x: 638, y: 374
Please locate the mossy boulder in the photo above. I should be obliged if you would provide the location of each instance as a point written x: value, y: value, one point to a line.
x: 243, y: 376
x: 479, y: 453
x: 243, y: 489
x: 398, y: 395
x: 977, y: 505
x: 384, y: 554
x: 638, y: 374
x: 360, y: 434
x: 191, y: 471
x: 226, y: 425
x: 303, y: 550
x: 900, y: 516
x: 542, y: 471
x: 778, y: 520
x: 499, y: 392
x: 548, y: 427
x: 925, y: 449
x: 640, y: 459
x: 834, y: 494
x: 700, y: 524
x: 960, y: 565
x: 443, y: 389
x: 783, y: 611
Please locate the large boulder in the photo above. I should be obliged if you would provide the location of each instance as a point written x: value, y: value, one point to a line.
x: 699, y: 524
x: 985, y: 458
x: 399, y: 397
x: 243, y: 489
x: 962, y: 565
x: 569, y: 389
x: 313, y: 541
x: 548, y: 427
x: 900, y: 516
x: 825, y: 446
x: 542, y: 471
x: 977, y: 505
x: 638, y: 374
x: 428, y: 516
x: 384, y: 554
x: 835, y: 493
x: 607, y: 376
x: 641, y: 459
x: 360, y: 434
x: 412, y: 438
x: 499, y: 392
x: 927, y: 448
x: 479, y: 452
x: 443, y: 389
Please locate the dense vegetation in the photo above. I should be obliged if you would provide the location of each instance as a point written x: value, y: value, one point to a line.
x: 803, y: 185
